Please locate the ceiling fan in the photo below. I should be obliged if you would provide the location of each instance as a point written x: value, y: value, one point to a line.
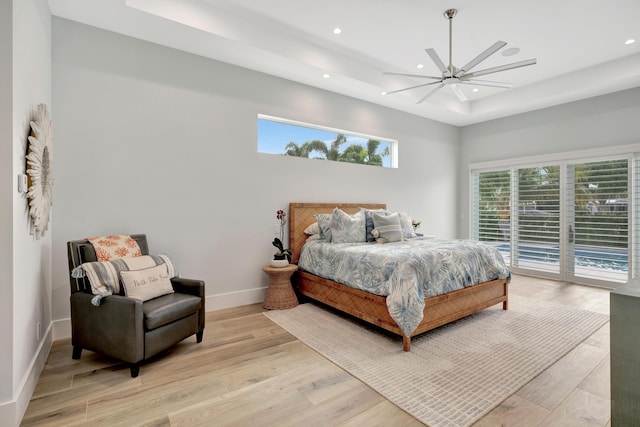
x: 452, y: 76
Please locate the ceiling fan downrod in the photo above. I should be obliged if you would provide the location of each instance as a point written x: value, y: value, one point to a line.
x: 449, y: 14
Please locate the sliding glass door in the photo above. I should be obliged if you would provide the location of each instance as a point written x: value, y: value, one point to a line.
x: 568, y: 220
x: 536, y: 236
x: 598, y: 221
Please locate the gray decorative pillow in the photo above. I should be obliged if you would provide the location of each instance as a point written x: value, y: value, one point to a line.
x: 387, y: 228
x: 347, y: 228
x: 324, y: 223
x: 408, y: 231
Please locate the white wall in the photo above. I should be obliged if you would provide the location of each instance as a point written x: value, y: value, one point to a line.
x: 153, y: 140
x: 6, y: 210
x: 28, y: 300
x: 605, y: 121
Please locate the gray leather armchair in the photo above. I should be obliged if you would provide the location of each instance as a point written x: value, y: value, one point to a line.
x: 126, y: 328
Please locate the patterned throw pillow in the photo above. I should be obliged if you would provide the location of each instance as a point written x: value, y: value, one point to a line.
x: 347, y: 228
x: 387, y: 228
x: 324, y: 223
x: 408, y: 231
x: 111, y: 247
x: 148, y: 283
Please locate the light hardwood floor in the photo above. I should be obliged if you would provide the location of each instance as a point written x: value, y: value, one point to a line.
x: 250, y: 372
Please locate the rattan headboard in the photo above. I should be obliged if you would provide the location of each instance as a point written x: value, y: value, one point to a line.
x: 301, y: 216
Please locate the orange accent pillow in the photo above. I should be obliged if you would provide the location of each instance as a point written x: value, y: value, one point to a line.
x: 119, y: 246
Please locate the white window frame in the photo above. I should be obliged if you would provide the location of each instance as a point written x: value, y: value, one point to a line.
x: 631, y: 151
x: 393, y: 143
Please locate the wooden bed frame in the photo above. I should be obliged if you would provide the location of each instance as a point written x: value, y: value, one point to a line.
x: 438, y: 310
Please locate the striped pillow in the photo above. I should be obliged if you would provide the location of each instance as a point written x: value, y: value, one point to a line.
x: 369, y: 221
x: 387, y: 228
x: 104, y: 276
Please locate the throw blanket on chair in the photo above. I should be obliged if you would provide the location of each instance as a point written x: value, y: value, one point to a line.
x: 104, y: 276
x: 110, y: 247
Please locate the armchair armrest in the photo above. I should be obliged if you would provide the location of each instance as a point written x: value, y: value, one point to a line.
x: 188, y: 286
x: 196, y: 288
x: 115, y: 328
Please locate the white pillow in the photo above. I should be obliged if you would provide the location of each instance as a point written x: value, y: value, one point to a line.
x: 347, y: 228
x: 148, y: 283
x: 313, y: 237
x: 312, y: 229
x: 408, y: 231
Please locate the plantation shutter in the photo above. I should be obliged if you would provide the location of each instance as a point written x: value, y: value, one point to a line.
x: 598, y: 221
x: 536, y: 219
x: 491, y: 204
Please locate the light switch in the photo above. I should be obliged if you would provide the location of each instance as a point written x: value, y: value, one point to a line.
x: 22, y: 183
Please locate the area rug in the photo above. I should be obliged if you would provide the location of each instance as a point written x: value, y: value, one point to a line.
x: 456, y: 374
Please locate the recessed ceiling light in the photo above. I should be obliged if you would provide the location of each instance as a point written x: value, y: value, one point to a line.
x: 510, y: 51
x: 326, y: 76
x: 630, y: 41
x: 475, y: 89
x: 383, y: 93
x: 337, y: 30
x: 420, y: 66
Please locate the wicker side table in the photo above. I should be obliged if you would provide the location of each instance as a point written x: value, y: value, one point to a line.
x: 280, y: 294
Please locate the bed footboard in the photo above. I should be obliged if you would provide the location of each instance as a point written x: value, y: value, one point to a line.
x: 438, y: 310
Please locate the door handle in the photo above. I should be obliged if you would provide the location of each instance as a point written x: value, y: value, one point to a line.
x: 570, y: 234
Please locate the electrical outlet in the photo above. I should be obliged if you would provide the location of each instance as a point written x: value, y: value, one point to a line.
x: 38, y: 331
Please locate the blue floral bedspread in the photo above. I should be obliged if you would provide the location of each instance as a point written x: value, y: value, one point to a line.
x: 405, y: 272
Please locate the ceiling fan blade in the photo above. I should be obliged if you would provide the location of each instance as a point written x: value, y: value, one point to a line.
x: 436, y: 59
x: 411, y: 75
x: 430, y: 93
x: 487, y: 83
x: 458, y: 93
x: 478, y: 59
x: 411, y: 87
x: 501, y: 68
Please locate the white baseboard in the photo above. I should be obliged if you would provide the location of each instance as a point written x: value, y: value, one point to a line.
x: 62, y: 327
x: 12, y: 412
x: 235, y: 299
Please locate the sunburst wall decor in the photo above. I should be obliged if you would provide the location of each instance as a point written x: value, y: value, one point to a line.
x: 39, y: 171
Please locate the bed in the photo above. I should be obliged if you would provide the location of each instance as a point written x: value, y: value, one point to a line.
x: 438, y: 310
